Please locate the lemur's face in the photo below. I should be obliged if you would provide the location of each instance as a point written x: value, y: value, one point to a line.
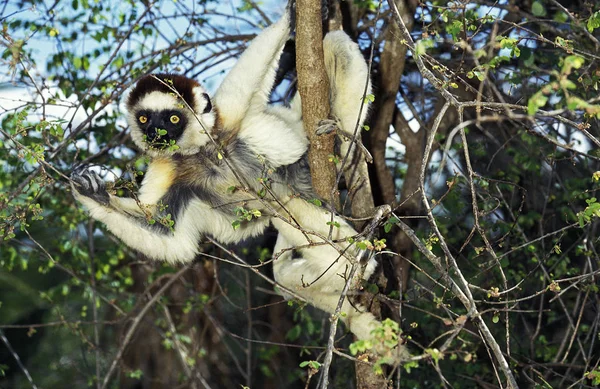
x: 161, y: 128
x: 169, y: 114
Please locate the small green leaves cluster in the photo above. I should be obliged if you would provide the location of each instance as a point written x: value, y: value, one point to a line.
x: 370, y: 5
x: 316, y: 202
x: 565, y: 85
x: 594, y: 21
x: 313, y: 365
x: 459, y: 23
x: 392, y: 221
x: 504, y: 43
x: 333, y: 158
x: 592, y: 210
x: 305, y: 325
x: 333, y: 224
x: 432, y: 241
x: 594, y: 376
x: 135, y: 374
x: 163, y: 218
x: 435, y: 354
x: 385, y: 341
x: 361, y: 346
x: 244, y: 215
x: 159, y: 143
x: 375, y: 245
x: 511, y: 44
x: 422, y: 45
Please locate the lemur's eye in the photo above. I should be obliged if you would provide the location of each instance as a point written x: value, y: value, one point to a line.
x: 143, y: 119
x: 174, y: 119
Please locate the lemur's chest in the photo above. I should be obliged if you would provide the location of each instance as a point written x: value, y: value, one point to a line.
x: 211, y: 180
x: 157, y: 181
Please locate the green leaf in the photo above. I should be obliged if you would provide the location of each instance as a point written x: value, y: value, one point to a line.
x: 594, y: 21
x: 435, y: 354
x: 369, y: 98
x: 537, y: 9
x: 572, y: 62
x: 537, y: 101
x: 315, y: 365
x: 496, y: 318
x: 454, y: 29
x: 316, y: 202
x: 422, y: 46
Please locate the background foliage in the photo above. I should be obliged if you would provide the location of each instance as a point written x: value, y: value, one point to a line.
x: 485, y: 143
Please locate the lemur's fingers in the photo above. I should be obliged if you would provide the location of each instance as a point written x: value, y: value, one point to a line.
x: 90, y: 184
x: 78, y: 179
x: 324, y: 10
x: 327, y: 126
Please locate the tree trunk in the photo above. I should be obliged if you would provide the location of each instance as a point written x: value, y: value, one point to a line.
x: 313, y: 87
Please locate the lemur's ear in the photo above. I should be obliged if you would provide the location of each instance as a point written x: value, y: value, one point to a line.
x: 208, y: 107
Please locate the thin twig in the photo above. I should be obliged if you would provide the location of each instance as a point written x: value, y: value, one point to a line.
x: 17, y: 359
x: 137, y: 321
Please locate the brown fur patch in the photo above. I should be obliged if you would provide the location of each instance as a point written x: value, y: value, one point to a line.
x: 147, y: 84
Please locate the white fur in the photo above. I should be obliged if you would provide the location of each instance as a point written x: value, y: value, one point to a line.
x: 277, y: 134
x: 318, y: 275
x: 250, y: 81
x: 182, y: 244
x: 196, y: 133
x: 348, y: 73
x: 283, y: 145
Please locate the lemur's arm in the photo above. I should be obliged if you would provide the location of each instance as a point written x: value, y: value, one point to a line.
x: 128, y: 221
x: 248, y: 85
x: 124, y: 218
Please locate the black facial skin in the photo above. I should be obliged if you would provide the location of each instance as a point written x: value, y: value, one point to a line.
x: 156, y: 121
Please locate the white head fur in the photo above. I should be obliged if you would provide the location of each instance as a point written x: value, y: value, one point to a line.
x: 171, y: 93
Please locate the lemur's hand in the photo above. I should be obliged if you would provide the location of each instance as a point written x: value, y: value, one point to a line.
x: 87, y: 183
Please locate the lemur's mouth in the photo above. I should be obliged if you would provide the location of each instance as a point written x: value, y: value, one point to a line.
x: 157, y: 138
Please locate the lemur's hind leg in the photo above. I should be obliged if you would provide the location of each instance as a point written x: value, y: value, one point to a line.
x: 315, y: 270
x: 348, y: 74
x: 349, y: 84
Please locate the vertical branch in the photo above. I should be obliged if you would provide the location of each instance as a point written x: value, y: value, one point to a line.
x: 324, y: 380
x: 91, y: 249
x: 391, y: 68
x: 313, y: 87
x: 249, y: 330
